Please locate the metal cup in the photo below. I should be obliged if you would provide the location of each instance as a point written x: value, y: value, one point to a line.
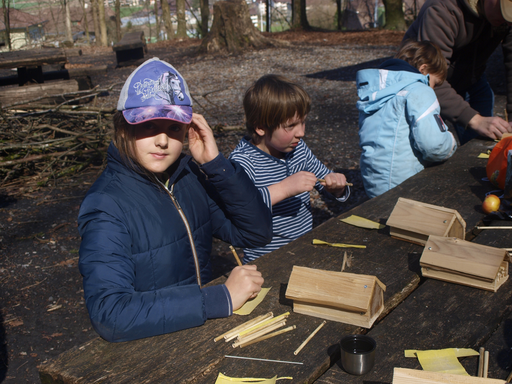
x: 357, y: 354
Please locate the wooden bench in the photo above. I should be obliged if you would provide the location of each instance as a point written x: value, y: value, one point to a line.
x: 131, y: 49
x: 191, y: 355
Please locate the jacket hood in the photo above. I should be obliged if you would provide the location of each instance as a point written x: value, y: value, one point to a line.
x: 376, y: 86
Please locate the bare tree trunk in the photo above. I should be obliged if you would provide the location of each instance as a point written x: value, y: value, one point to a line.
x: 267, y: 17
x: 166, y: 15
x: 157, y: 22
x: 69, y: 34
x: 303, y: 16
x: 5, y: 5
x: 232, y: 29
x: 103, y: 23
x: 395, y: 19
x: 182, y: 22
x: 205, y: 16
x: 339, y: 8
x: 96, y: 21
x: 86, y: 24
x: 118, y: 20
x: 295, y: 14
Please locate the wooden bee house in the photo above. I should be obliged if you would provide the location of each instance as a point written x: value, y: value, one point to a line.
x: 415, y: 221
x: 463, y: 262
x: 339, y: 296
x: 414, y: 376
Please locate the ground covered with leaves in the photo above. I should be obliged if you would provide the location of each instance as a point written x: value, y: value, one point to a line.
x: 49, y: 157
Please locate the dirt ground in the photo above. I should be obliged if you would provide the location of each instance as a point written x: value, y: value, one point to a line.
x: 42, y: 311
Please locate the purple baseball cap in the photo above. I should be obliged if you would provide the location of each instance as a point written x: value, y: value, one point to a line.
x: 155, y: 90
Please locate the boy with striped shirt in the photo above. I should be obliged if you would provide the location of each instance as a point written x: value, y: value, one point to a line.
x: 278, y: 161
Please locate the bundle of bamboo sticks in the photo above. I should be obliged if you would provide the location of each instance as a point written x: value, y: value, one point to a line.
x: 258, y: 329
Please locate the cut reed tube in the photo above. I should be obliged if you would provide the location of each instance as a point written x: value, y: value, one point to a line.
x: 495, y: 227
x: 236, y: 255
x: 259, y: 326
x: 486, y: 364
x: 481, y: 362
x: 323, y: 181
x: 268, y: 336
x: 244, y: 325
x: 309, y: 338
x: 260, y: 333
x: 233, y: 335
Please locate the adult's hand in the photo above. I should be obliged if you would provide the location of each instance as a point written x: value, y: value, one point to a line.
x: 201, y: 142
x: 243, y: 284
x: 493, y: 127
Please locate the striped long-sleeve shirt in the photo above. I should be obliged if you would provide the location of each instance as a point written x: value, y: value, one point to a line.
x: 291, y: 218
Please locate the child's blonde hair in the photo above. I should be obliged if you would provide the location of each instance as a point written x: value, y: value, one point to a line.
x: 425, y: 52
x: 271, y: 101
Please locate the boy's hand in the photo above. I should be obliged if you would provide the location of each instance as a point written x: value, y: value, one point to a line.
x: 335, y: 183
x: 243, y: 284
x: 201, y: 142
x: 293, y: 185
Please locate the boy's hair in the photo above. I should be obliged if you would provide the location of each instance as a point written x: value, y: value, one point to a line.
x: 271, y: 101
x: 425, y: 52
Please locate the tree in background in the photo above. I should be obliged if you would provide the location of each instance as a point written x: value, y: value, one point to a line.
x: 299, y: 17
x: 118, y: 19
x: 157, y: 22
x: 182, y: 21
x: 166, y: 14
x: 103, y: 24
x: 5, y: 5
x: 86, y: 25
x: 395, y: 19
x: 205, y: 15
x: 69, y: 34
x: 96, y: 21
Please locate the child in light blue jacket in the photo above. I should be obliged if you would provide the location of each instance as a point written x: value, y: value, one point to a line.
x: 400, y: 127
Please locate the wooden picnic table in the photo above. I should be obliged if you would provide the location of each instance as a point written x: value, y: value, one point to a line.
x: 191, y: 355
x: 29, y: 63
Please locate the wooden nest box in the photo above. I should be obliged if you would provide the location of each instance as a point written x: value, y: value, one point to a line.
x: 338, y: 296
x: 415, y: 222
x: 413, y: 376
x: 463, y: 262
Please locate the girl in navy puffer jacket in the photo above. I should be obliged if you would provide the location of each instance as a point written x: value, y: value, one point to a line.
x: 147, y: 222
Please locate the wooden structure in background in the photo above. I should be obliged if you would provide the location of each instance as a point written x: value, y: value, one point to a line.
x: 338, y: 296
x: 414, y: 376
x: 415, y: 221
x: 131, y: 49
x: 463, y: 262
x: 30, y: 92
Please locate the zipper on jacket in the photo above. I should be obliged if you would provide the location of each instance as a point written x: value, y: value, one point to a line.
x: 170, y: 192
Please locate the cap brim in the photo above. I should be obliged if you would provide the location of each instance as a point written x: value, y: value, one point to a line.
x: 179, y: 113
x: 506, y: 10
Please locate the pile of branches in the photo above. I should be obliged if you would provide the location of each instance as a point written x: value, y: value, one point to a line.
x: 40, y: 144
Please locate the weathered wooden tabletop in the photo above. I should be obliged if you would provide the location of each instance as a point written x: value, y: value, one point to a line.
x: 192, y: 355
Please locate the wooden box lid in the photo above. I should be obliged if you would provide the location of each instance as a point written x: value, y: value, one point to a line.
x: 350, y: 291
x: 414, y: 376
x: 423, y: 218
x: 462, y: 257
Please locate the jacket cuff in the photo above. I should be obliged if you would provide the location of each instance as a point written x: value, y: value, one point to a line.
x: 217, y: 301
x: 345, y: 196
x: 466, y: 116
x: 219, y: 165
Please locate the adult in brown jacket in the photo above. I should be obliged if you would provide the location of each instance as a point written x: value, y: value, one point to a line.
x: 468, y: 32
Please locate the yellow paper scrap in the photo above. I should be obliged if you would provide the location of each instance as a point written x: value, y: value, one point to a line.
x: 483, y: 156
x: 459, y: 352
x: 441, y: 360
x: 249, y: 305
x: 359, y: 221
x: 222, y: 379
x: 340, y: 245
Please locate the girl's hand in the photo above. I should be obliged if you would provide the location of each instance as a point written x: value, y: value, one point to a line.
x: 243, y: 283
x: 201, y: 142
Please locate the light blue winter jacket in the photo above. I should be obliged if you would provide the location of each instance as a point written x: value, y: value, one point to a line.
x: 400, y: 129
